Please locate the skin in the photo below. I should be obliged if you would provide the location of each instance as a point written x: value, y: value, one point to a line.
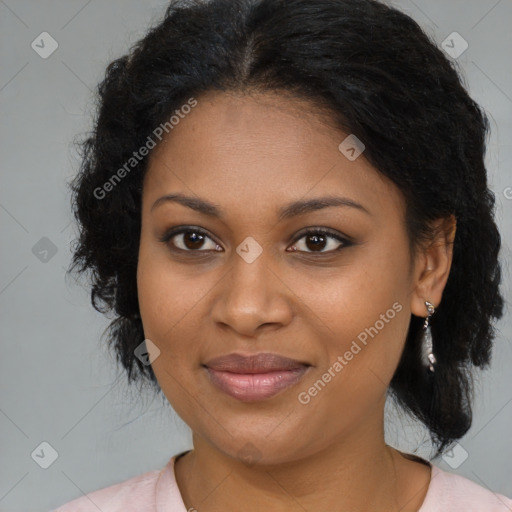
x: 250, y: 155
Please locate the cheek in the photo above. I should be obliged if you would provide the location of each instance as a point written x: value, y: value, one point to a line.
x: 166, y: 301
x: 364, y: 312
x: 367, y: 321
x: 166, y: 292
x: 172, y: 301
x: 166, y: 311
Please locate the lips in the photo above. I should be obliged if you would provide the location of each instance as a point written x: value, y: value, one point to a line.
x: 259, y: 363
x: 254, y: 377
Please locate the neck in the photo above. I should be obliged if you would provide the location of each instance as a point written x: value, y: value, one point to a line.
x: 357, y: 473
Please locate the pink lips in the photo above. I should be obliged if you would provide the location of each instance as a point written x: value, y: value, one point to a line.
x: 255, y: 377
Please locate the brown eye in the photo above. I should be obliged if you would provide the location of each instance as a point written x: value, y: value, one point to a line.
x: 190, y: 240
x: 319, y: 239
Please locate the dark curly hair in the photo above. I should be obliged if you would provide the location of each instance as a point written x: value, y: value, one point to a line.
x: 380, y: 77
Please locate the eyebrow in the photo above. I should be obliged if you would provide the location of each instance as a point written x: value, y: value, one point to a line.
x: 293, y: 209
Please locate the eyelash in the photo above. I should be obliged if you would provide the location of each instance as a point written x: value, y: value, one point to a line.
x: 311, y: 231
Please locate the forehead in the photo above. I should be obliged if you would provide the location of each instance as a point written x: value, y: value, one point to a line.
x: 238, y: 150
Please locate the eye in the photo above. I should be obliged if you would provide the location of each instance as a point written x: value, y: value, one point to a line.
x: 192, y: 239
x: 189, y: 239
x: 317, y: 239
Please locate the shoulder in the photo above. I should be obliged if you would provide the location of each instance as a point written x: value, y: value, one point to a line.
x: 448, y: 491
x: 141, y: 493
x: 136, y: 493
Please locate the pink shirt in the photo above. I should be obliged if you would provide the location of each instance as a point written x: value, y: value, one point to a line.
x: 157, y: 491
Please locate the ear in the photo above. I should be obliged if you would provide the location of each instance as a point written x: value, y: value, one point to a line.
x: 432, y: 267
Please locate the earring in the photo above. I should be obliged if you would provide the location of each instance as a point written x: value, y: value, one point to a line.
x: 428, y: 357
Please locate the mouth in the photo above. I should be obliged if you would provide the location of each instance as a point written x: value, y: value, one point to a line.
x: 255, y: 377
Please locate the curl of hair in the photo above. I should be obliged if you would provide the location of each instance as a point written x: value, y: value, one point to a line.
x: 379, y: 76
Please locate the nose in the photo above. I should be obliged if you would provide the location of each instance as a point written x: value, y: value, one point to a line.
x: 252, y: 297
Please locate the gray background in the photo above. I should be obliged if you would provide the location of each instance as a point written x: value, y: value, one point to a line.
x: 59, y: 383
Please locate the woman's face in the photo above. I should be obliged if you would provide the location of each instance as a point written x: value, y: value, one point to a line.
x: 342, y: 308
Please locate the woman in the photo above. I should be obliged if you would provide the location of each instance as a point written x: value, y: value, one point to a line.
x: 285, y: 204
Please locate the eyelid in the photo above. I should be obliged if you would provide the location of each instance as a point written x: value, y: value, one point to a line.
x: 324, y: 231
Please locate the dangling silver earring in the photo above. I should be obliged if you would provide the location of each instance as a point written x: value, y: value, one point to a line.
x: 428, y: 357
